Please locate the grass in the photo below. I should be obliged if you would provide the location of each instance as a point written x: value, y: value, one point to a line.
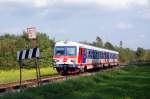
x: 14, y: 75
x: 132, y: 82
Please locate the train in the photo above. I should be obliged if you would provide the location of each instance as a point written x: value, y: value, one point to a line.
x: 74, y: 57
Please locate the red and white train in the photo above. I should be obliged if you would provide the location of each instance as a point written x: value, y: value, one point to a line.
x: 73, y: 57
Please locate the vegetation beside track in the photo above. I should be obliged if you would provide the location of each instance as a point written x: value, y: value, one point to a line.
x: 10, y: 44
x: 131, y: 82
x: 14, y: 75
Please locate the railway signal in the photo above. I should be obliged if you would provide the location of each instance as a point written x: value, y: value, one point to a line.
x: 33, y: 53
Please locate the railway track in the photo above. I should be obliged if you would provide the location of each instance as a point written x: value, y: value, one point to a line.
x: 29, y: 83
x: 15, y: 86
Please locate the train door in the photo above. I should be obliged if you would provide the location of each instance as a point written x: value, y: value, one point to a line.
x: 82, y: 55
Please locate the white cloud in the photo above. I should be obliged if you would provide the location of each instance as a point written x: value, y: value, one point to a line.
x: 101, y: 3
x: 37, y: 3
x: 123, y: 25
x: 142, y: 36
x: 111, y: 3
x: 146, y: 14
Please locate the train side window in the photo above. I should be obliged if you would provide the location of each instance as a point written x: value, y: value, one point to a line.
x: 107, y: 55
x: 96, y: 55
x: 80, y: 51
x: 92, y: 53
x: 104, y: 55
x: 117, y: 56
x: 110, y: 55
x: 85, y: 53
x: 89, y: 54
x: 101, y: 55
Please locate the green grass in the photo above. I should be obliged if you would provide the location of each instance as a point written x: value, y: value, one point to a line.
x: 14, y: 75
x: 132, y: 82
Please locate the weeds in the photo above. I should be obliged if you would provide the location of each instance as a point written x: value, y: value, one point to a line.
x: 132, y: 82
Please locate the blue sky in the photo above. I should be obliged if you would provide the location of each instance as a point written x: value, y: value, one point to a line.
x: 79, y: 20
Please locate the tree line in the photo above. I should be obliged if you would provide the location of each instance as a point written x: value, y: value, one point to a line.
x: 10, y: 44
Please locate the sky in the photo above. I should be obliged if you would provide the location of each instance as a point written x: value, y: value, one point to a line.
x: 80, y: 20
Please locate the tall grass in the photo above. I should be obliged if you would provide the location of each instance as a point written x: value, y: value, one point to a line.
x: 13, y: 75
x: 132, y: 82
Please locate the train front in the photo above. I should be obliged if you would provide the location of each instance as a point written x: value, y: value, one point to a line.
x: 65, y: 57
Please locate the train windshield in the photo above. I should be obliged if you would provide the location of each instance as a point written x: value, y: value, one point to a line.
x: 65, y: 51
x: 59, y: 51
x: 71, y: 51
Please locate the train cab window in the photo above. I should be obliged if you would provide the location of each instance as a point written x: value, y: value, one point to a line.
x: 71, y: 51
x: 59, y: 51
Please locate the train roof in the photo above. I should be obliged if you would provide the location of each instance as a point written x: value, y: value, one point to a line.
x: 72, y: 43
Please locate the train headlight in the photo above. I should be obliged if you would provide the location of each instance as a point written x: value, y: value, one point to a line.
x: 73, y: 61
x: 56, y: 60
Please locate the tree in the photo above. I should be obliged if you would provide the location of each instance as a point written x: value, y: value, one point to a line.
x: 108, y: 45
x: 140, y: 53
x: 99, y: 42
x: 126, y: 55
x: 10, y: 44
x: 147, y: 55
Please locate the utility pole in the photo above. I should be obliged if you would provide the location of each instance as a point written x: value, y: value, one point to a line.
x: 121, y: 44
x: 32, y: 35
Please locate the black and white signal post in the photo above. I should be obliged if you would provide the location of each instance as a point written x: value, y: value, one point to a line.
x: 32, y: 53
